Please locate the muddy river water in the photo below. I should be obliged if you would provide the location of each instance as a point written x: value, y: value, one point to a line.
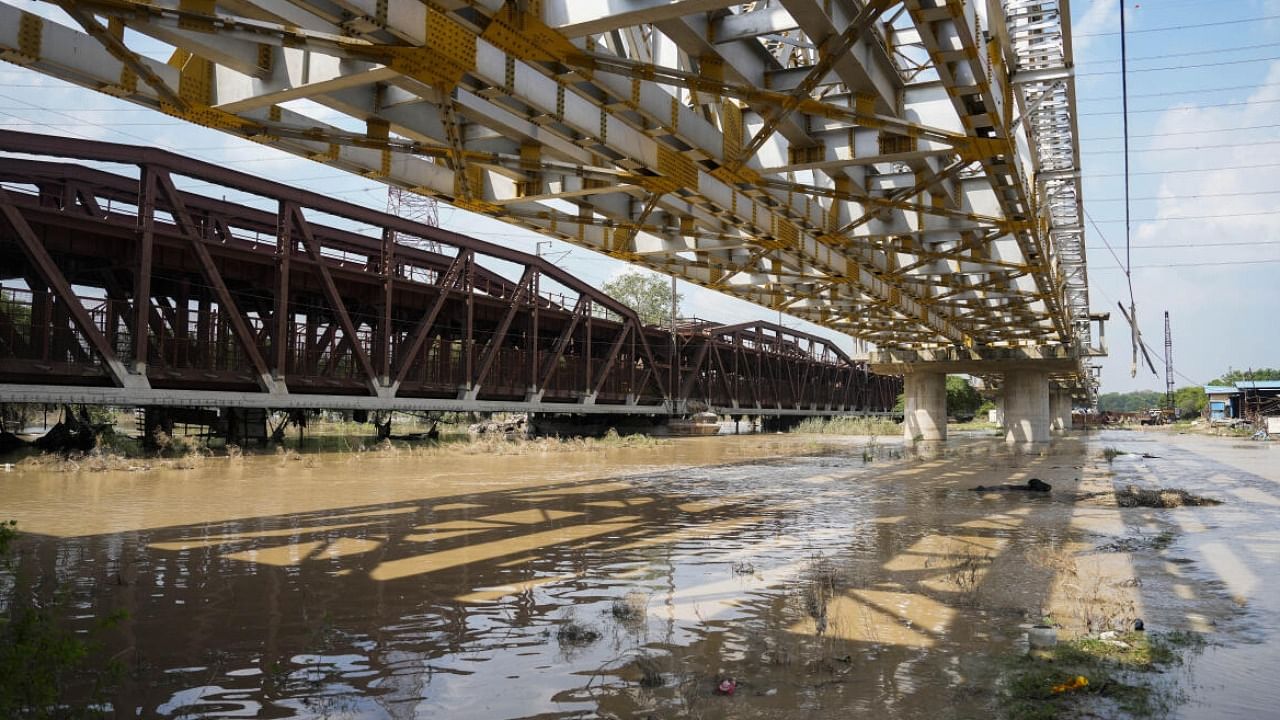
x: 829, y: 577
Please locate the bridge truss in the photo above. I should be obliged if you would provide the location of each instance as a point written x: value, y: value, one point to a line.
x: 906, y: 172
x: 132, y: 291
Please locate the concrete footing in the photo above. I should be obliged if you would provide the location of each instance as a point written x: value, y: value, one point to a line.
x: 1026, y: 406
x: 925, y: 407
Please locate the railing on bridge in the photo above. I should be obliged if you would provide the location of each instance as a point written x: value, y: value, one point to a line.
x: 264, y: 300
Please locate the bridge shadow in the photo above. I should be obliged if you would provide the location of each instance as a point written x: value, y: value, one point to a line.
x: 372, y: 601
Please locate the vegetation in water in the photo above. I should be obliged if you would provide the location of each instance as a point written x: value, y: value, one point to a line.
x: 1110, y: 453
x: 847, y: 426
x: 1096, y: 676
x: 1134, y: 496
x: 47, y: 670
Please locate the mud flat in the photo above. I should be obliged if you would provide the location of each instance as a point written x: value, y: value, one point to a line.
x: 819, y: 576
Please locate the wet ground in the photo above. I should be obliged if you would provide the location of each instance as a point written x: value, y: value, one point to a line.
x: 829, y: 578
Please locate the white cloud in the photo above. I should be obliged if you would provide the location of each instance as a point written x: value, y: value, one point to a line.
x: 1219, y: 312
x: 1101, y: 17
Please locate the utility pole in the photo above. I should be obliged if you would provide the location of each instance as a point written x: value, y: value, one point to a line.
x: 1168, y: 365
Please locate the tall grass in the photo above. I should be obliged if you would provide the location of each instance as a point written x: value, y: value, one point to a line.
x: 848, y: 426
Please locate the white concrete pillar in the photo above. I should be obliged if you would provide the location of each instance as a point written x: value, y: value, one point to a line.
x: 1060, y: 409
x: 1026, y: 406
x: 1000, y: 411
x: 925, y: 406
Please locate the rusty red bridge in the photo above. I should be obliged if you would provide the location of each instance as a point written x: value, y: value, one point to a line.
x: 119, y: 287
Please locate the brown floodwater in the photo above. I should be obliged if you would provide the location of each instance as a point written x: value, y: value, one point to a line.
x: 828, y: 577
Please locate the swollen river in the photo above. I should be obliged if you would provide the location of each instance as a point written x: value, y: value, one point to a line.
x: 824, y: 577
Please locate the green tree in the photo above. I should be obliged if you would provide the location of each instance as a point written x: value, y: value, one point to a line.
x: 1190, y: 401
x: 17, y: 308
x: 963, y: 400
x: 646, y: 293
x: 1232, y: 375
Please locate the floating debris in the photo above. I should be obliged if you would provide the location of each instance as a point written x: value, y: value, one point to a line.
x: 1076, y: 683
x: 1033, y: 485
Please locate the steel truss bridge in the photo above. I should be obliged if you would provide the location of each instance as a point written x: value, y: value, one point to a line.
x: 906, y: 171
x: 135, y: 292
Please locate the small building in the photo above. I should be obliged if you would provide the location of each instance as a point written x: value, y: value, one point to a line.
x: 1222, y: 403
x: 1245, y: 399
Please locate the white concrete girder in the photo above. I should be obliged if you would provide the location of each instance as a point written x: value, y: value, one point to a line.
x: 768, y: 239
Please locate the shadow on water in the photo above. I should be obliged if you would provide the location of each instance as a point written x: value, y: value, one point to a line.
x: 824, y: 584
x: 1221, y: 573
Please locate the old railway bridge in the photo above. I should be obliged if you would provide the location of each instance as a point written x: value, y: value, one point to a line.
x: 131, y: 291
x: 905, y: 171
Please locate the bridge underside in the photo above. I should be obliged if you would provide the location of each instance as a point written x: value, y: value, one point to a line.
x: 906, y: 172
x: 126, y: 290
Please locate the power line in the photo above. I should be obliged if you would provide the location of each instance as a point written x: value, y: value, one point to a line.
x: 1171, y: 28
x: 1184, y: 132
x: 1185, y: 147
x: 1186, y: 170
x: 1181, y: 67
x: 1270, y: 213
x: 1105, y: 242
x: 1198, y: 245
x: 1190, y: 197
x: 1182, y: 109
x: 1196, y: 264
x: 1188, y: 91
x: 1210, y: 51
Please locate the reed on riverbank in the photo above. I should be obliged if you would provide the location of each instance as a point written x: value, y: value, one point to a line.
x: 848, y: 426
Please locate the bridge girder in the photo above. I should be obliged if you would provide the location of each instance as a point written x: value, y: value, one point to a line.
x: 906, y: 172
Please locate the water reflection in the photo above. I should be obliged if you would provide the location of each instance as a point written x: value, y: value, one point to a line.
x: 567, y: 587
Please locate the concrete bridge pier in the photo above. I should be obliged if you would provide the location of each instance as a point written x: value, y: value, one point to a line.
x: 1027, y: 417
x: 1060, y: 409
x: 925, y: 407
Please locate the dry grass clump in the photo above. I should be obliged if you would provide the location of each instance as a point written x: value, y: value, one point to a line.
x: 1133, y: 496
x: 650, y: 671
x: 816, y: 589
x: 573, y: 633
x: 630, y: 609
x: 499, y: 444
x: 962, y: 568
x: 847, y: 426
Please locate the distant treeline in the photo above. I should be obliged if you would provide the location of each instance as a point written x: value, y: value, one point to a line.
x: 1136, y: 401
x: 1190, y: 400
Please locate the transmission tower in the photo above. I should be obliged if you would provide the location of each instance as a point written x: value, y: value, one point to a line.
x: 1168, y: 363
x: 417, y: 208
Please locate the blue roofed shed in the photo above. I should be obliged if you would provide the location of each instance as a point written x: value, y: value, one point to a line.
x: 1248, y: 399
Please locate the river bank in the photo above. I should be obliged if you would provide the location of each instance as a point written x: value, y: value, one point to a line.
x: 626, y: 582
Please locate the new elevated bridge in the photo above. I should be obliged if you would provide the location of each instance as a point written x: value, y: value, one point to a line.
x: 905, y: 171
x: 124, y: 290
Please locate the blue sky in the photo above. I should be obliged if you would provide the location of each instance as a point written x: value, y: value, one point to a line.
x: 1205, y: 144
x: 1228, y: 108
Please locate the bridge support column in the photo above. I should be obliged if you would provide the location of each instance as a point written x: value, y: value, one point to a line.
x: 1026, y: 406
x: 1060, y: 409
x: 925, y: 406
